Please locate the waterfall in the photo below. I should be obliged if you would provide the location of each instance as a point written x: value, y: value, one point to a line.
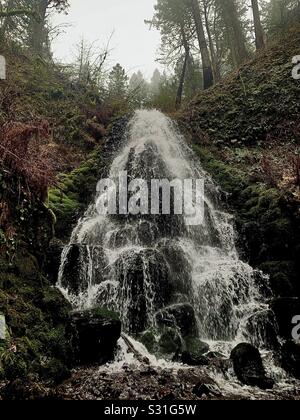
x: 154, y: 269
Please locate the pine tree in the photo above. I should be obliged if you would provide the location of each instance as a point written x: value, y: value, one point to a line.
x: 155, y: 82
x: 117, y: 84
x: 138, y: 90
x: 235, y: 32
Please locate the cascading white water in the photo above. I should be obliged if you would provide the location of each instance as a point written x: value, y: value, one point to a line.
x: 149, y: 268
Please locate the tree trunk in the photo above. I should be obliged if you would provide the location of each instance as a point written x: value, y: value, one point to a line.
x: 38, y: 36
x: 208, y: 78
x: 215, y: 64
x: 7, y: 20
x: 184, y: 68
x: 237, y: 41
x: 181, y: 82
x: 259, y: 32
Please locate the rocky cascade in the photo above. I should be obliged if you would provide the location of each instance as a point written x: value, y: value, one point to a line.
x: 171, y: 283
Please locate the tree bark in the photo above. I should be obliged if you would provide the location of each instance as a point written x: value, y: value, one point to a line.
x: 181, y: 82
x: 215, y: 64
x: 237, y: 41
x: 38, y: 36
x: 259, y: 32
x: 184, y: 68
x: 208, y: 78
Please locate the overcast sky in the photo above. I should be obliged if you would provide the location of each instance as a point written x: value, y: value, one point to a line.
x: 133, y: 45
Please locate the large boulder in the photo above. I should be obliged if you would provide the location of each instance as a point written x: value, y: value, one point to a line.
x: 290, y: 358
x: 142, y: 276
x: 193, y: 359
x: 179, y: 316
x: 170, y: 341
x: 192, y: 353
x: 53, y: 259
x: 248, y: 366
x: 285, y: 310
x: 96, y: 334
x: 76, y: 274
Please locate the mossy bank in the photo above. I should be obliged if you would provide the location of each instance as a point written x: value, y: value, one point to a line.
x: 246, y: 133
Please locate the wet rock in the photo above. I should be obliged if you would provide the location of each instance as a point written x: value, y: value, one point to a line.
x: 71, y: 279
x: 262, y: 327
x: 181, y: 316
x: 215, y: 355
x: 76, y: 270
x: 196, y: 346
x: 202, y: 389
x: 290, y: 358
x: 180, y: 270
x: 285, y: 309
x: 53, y: 259
x: 248, y: 366
x: 148, y: 371
x: 193, y: 359
x: 96, y: 335
x: 135, y: 271
x: 193, y: 353
x: 220, y: 365
x: 193, y: 377
x: 148, y: 338
x: 170, y: 341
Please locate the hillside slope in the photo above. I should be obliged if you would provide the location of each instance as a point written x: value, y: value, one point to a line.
x: 246, y: 131
x: 48, y: 125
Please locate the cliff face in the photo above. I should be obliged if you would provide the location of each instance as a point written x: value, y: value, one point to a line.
x: 246, y: 133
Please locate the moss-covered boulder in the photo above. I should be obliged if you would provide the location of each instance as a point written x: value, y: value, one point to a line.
x: 96, y: 334
x: 248, y: 366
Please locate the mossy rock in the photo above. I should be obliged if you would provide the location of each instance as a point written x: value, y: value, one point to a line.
x: 74, y: 192
x: 196, y: 346
x: 26, y: 266
x: 149, y: 339
x: 170, y: 341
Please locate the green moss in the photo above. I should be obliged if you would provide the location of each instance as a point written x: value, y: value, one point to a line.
x: 74, y: 192
x: 195, y: 346
x: 266, y: 221
x: 253, y: 103
x: 229, y: 178
x: 37, y: 318
x: 170, y: 341
x: 105, y: 313
x: 148, y: 338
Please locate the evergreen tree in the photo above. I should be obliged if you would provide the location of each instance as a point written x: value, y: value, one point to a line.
x: 138, y: 90
x: 27, y: 22
x: 234, y: 29
x: 117, y: 84
x: 155, y: 82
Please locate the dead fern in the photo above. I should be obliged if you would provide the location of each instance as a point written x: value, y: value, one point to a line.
x: 22, y: 154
